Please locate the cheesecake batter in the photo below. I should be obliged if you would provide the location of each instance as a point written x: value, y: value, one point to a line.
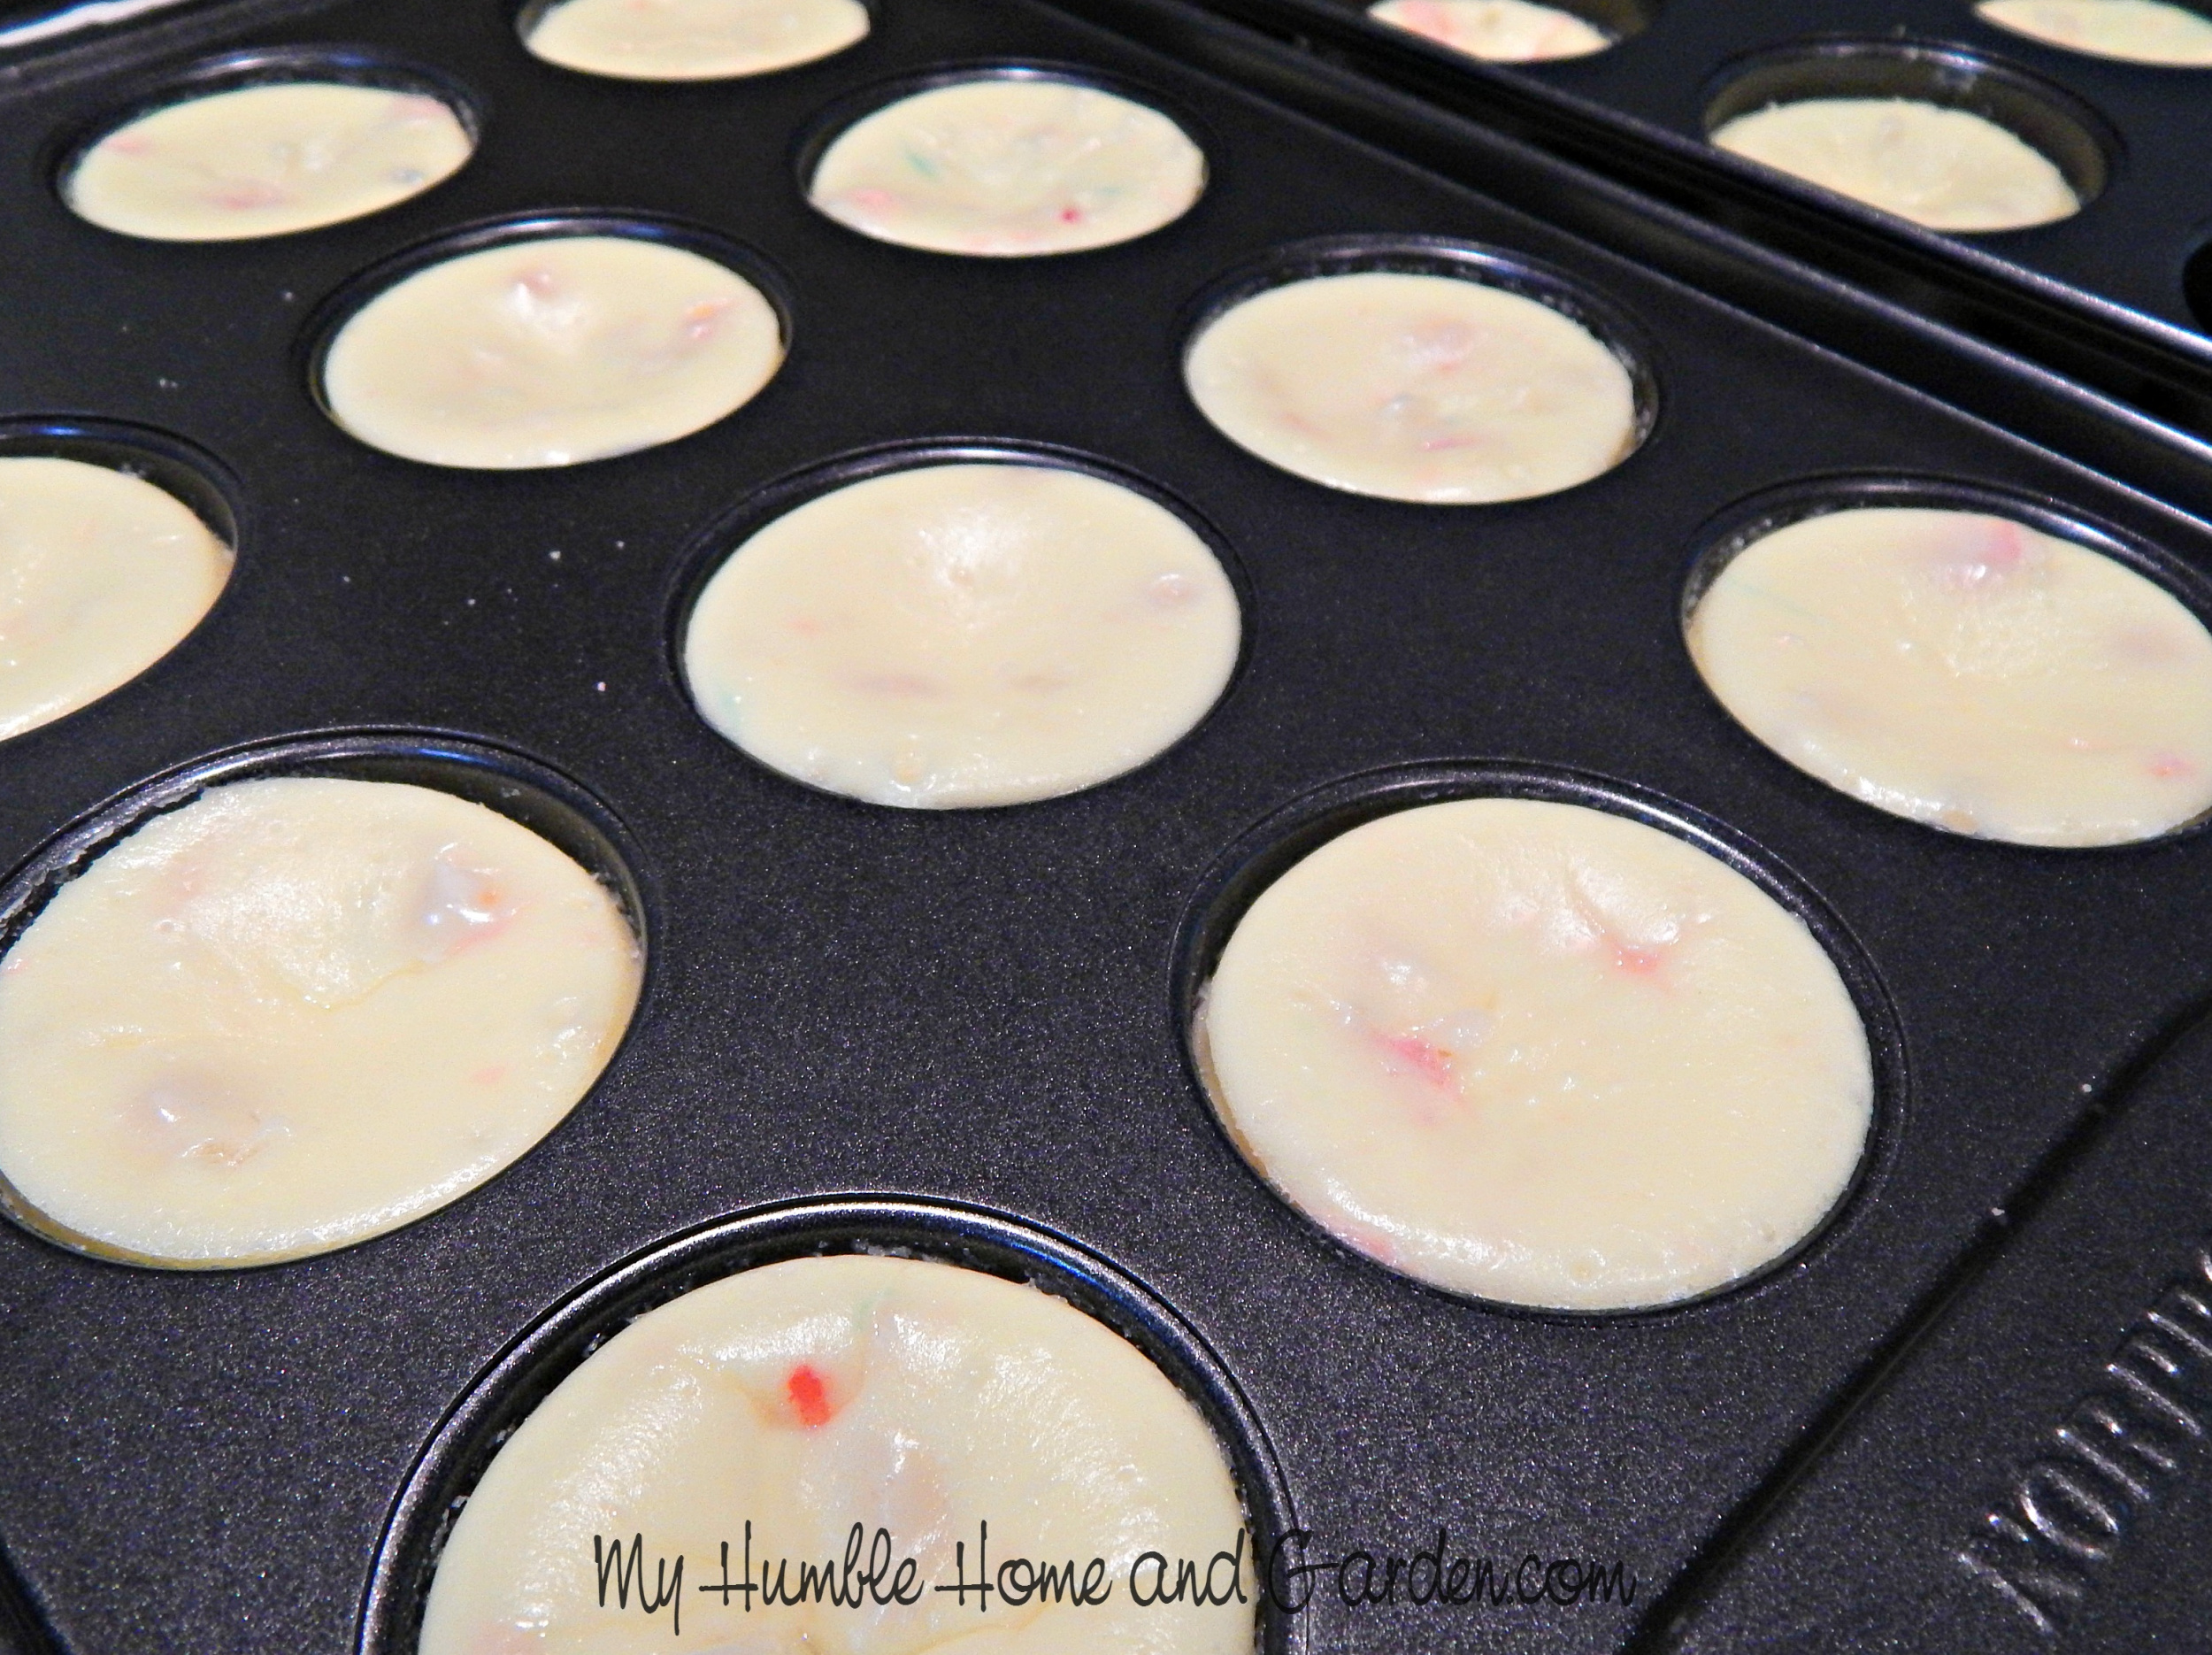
x: 2133, y: 31
x: 1010, y: 167
x: 1967, y: 671
x: 963, y: 634
x: 1944, y: 168
x: 266, y: 160
x: 297, y: 1013
x: 1419, y: 388
x: 1498, y: 31
x: 551, y: 352
x: 694, y: 40
x: 922, y: 1399
x: 1540, y: 1054
x: 101, y: 575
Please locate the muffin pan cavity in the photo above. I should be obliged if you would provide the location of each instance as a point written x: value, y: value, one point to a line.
x: 969, y: 1238
x: 271, y: 142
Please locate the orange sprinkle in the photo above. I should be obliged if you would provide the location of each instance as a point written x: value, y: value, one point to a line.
x: 810, y: 1398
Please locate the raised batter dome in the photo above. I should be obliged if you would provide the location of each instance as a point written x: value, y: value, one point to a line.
x: 1539, y: 1053
x: 918, y: 1399
x: 1967, y: 671
x: 266, y: 160
x: 297, y: 1013
x: 964, y: 633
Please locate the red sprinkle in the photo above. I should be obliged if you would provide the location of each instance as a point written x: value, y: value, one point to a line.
x: 810, y: 1398
x: 1071, y: 215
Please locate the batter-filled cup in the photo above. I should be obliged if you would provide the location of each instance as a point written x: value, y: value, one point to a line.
x: 1008, y: 166
x: 2129, y: 31
x: 1948, y: 169
x: 964, y: 633
x: 1496, y: 31
x: 1540, y: 1054
x: 297, y: 1013
x: 551, y: 350
x: 1967, y: 671
x: 102, y: 574
x: 1433, y: 388
x: 914, y: 1404
x: 267, y: 160
x: 690, y: 40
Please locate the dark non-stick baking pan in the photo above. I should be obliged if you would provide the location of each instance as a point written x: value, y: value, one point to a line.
x: 2119, y: 295
x: 961, y: 1032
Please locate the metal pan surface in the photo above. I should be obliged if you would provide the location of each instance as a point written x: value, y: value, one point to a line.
x: 980, y: 1011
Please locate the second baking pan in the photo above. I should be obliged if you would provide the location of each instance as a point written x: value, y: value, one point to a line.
x: 2119, y: 295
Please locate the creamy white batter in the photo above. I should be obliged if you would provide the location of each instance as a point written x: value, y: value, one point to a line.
x: 2134, y: 31
x: 1967, y: 671
x: 963, y: 634
x: 101, y: 575
x: 1415, y: 388
x: 1009, y: 167
x: 1540, y: 1054
x: 296, y: 1012
x: 694, y: 40
x: 266, y: 160
x: 1498, y: 31
x: 920, y: 1398
x: 551, y: 352
x: 1944, y: 168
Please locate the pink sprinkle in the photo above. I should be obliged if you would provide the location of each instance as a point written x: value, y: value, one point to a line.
x: 130, y: 143
x: 2170, y: 765
x: 874, y: 200
x: 1071, y: 215
x: 490, y: 1074
x: 1431, y: 1063
x: 2004, y: 548
x: 1362, y: 1238
x: 1637, y: 960
x: 244, y: 197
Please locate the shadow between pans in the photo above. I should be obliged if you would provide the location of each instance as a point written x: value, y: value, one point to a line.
x: 496, y: 1402
x: 1282, y: 839
x: 532, y: 794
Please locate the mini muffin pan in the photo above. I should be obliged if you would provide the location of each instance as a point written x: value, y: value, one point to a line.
x: 2119, y: 295
x: 951, y: 1031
